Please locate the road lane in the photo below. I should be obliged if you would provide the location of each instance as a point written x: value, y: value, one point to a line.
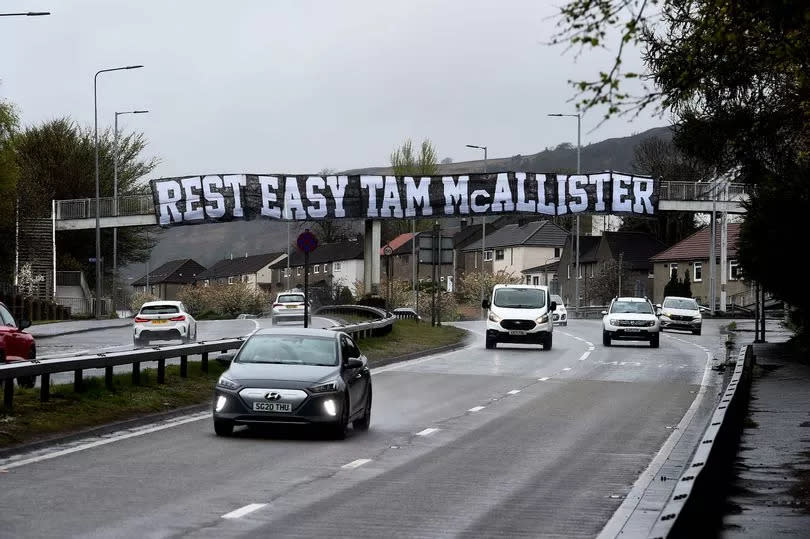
x: 545, y: 460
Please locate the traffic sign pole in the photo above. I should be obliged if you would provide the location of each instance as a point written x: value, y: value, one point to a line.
x: 306, y: 289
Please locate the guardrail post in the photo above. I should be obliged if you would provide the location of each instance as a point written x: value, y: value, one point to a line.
x: 136, y: 373
x: 184, y: 366
x: 204, y: 362
x: 8, y: 394
x: 161, y: 375
x: 77, y: 380
x: 108, y: 377
x: 45, y: 388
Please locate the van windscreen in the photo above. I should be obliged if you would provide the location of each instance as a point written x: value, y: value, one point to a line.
x: 520, y: 298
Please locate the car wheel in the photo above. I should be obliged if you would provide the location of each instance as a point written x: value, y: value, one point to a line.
x: 339, y: 429
x: 223, y: 427
x: 696, y: 331
x: 136, y: 342
x: 605, y: 338
x: 547, y: 342
x: 565, y: 323
x: 364, y: 422
x: 490, y: 343
x: 655, y: 341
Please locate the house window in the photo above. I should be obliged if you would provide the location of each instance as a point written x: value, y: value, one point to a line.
x: 298, y: 271
x: 580, y: 271
x: 326, y: 268
x: 557, y: 251
x: 488, y: 256
x: 698, y: 272
x: 593, y: 267
x: 569, y: 271
x: 528, y: 279
x: 734, y: 271
x: 673, y: 270
x: 498, y: 254
x: 244, y: 278
x: 336, y: 266
x: 316, y: 268
x: 230, y: 280
x: 535, y: 280
x: 206, y: 282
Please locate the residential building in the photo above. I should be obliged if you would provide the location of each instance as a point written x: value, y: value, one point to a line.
x: 255, y: 271
x: 166, y: 280
x: 330, y: 265
x: 400, y: 262
x: 691, y: 256
x: 545, y: 275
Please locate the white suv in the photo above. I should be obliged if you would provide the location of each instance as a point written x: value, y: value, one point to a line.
x: 163, y: 320
x: 519, y: 314
x: 630, y: 319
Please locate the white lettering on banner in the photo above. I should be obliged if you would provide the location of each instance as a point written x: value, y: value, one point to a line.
x: 208, y: 185
x: 236, y: 182
x: 546, y: 208
x: 578, y: 192
x: 371, y: 184
x: 337, y: 185
x: 455, y: 194
x: 270, y: 198
x: 417, y: 194
x: 318, y: 210
x: 479, y: 208
x: 194, y: 210
x: 620, y: 200
x: 293, y: 205
x: 391, y: 205
x: 562, y: 208
x: 599, y: 181
x: 522, y: 204
x: 642, y: 192
x: 169, y: 194
x: 502, y: 201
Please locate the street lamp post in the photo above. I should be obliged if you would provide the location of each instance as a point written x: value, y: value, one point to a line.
x: 579, y: 171
x: 98, y: 220
x: 115, y: 192
x: 483, y: 229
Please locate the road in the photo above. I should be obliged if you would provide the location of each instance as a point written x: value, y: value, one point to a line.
x: 515, y: 442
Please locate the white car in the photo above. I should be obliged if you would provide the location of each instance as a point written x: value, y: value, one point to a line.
x: 681, y: 313
x: 519, y: 314
x: 289, y: 306
x: 630, y: 319
x: 560, y: 313
x: 164, y: 321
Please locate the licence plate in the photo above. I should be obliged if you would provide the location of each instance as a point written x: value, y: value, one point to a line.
x: 272, y: 407
x: 158, y: 321
x: 516, y: 332
x: 292, y: 306
x: 632, y: 330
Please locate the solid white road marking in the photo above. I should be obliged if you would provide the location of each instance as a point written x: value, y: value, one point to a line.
x: 242, y: 511
x: 513, y: 392
x: 476, y: 409
x: 426, y: 432
x: 543, y: 379
x: 591, y: 348
x: 584, y: 356
x: 355, y: 464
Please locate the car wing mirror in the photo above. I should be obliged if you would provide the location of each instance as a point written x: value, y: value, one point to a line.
x: 604, y: 313
x: 353, y: 363
x: 553, y: 306
x: 226, y: 358
x: 485, y: 304
x: 24, y: 323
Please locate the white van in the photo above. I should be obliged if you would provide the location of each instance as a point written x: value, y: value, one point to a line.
x: 519, y: 314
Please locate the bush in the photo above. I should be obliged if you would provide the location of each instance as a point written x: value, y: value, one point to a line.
x: 223, y: 300
x: 469, y: 286
x: 138, y: 300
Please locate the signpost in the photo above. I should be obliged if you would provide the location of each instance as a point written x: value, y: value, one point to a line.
x: 387, y: 251
x: 307, y: 242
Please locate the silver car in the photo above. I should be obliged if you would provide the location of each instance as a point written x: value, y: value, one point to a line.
x: 680, y: 313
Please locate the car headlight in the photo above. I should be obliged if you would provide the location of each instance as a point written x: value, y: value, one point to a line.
x: 650, y: 323
x: 494, y: 317
x: 325, y: 387
x: 542, y: 320
x: 227, y: 383
x: 613, y: 321
x: 221, y: 402
x: 697, y: 318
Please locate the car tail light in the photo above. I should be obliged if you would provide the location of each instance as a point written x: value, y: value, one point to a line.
x: 177, y: 318
x: 138, y: 319
x: 277, y: 305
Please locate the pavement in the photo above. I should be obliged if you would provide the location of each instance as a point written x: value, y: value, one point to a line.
x: 770, y: 494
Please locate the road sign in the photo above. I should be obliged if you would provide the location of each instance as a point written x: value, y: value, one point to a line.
x: 307, y: 241
x: 387, y: 250
x: 427, y: 247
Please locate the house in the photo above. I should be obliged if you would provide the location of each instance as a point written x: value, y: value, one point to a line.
x: 545, y: 275
x: 330, y: 265
x: 164, y: 282
x: 252, y: 270
x: 515, y: 247
x: 624, y: 255
x: 691, y: 257
x: 399, y: 264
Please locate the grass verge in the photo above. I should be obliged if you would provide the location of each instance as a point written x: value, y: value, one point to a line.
x: 96, y: 405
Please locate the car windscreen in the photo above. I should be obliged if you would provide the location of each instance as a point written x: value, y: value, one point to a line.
x: 289, y: 349
x: 291, y: 298
x: 632, y: 307
x: 520, y: 298
x: 680, y: 303
x: 556, y: 299
x: 159, y: 309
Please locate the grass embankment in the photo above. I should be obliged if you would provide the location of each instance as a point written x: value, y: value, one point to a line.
x: 96, y: 405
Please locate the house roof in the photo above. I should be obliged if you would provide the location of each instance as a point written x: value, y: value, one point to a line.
x: 326, y: 252
x: 239, y: 266
x: 588, y: 247
x: 534, y: 234
x: 181, y: 271
x: 398, y: 242
x: 637, y: 248
x: 550, y: 267
x: 697, y: 246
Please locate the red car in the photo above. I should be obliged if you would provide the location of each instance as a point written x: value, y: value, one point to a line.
x: 15, y: 344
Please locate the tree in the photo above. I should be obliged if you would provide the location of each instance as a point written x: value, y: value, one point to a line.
x: 407, y: 163
x: 9, y: 122
x: 447, y: 161
x: 673, y: 287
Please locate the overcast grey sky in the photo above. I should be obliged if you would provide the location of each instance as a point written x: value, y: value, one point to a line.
x: 298, y: 85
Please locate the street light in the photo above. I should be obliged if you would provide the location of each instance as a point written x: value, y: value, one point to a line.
x: 26, y: 14
x: 579, y: 170
x: 98, y: 220
x: 115, y: 191
x: 483, y: 228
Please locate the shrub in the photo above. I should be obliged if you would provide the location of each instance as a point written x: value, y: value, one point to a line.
x: 139, y: 299
x: 223, y: 300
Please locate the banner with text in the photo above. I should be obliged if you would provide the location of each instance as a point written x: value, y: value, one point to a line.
x: 227, y: 197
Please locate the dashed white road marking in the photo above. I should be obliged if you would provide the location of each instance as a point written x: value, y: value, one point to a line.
x: 591, y: 348
x: 426, y: 432
x: 513, y: 392
x: 543, y: 379
x: 355, y: 464
x: 584, y: 356
x: 567, y: 369
x: 242, y: 511
x: 476, y: 408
